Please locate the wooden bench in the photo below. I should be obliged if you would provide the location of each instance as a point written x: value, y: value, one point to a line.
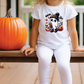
x: 17, y: 56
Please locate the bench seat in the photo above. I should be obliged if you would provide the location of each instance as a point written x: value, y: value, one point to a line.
x: 17, y: 56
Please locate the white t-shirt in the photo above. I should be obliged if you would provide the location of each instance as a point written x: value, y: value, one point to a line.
x: 53, y: 24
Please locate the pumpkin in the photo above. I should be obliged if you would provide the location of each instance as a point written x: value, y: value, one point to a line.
x: 13, y: 32
x: 60, y: 28
x: 47, y: 29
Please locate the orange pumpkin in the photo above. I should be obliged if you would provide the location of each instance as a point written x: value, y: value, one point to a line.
x: 47, y: 29
x: 13, y: 33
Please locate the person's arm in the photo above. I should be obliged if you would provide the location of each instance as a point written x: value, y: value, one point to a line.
x: 33, y: 38
x: 73, y: 34
x: 34, y: 33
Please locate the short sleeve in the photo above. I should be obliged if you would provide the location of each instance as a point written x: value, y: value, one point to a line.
x: 36, y: 12
x: 70, y: 12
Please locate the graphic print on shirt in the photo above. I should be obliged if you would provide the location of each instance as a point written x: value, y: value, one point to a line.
x: 54, y: 22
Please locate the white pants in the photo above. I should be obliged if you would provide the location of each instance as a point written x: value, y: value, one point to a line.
x: 62, y: 56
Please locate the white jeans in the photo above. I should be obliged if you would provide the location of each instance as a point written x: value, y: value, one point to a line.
x: 62, y: 56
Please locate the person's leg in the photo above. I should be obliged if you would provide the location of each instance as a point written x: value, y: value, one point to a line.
x: 62, y: 56
x: 44, y: 55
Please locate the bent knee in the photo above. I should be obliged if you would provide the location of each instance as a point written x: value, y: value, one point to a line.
x: 44, y: 61
x: 63, y: 66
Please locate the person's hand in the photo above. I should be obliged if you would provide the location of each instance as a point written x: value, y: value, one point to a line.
x: 79, y: 49
x: 28, y: 51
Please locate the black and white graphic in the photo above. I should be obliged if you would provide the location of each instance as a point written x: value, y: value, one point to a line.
x: 54, y: 22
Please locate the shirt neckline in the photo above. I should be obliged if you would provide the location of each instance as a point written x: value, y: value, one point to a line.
x: 55, y: 6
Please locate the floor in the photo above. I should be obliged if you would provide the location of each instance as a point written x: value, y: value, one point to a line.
x: 27, y: 73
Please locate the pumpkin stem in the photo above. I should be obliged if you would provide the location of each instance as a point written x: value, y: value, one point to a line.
x: 9, y: 13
